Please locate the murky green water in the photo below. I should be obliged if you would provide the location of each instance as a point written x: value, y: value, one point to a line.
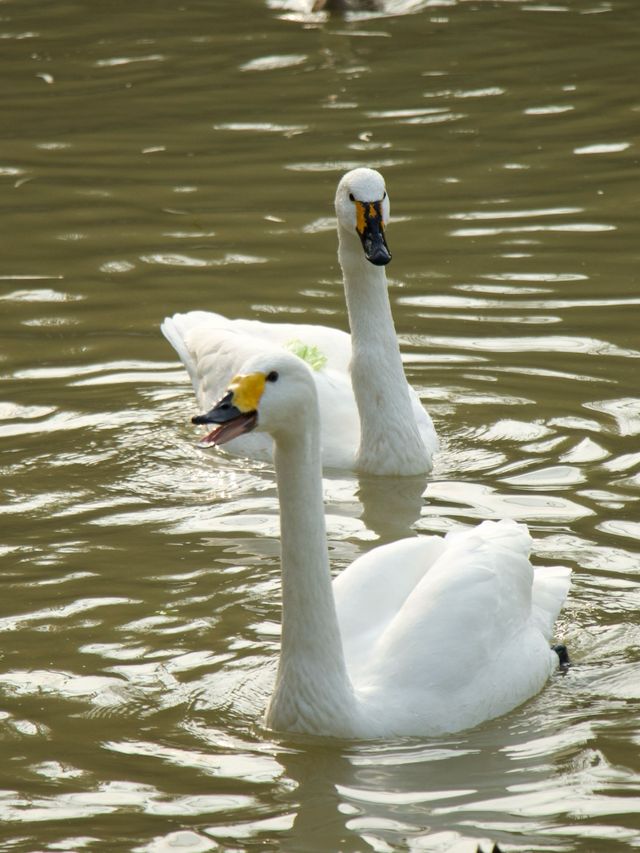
x: 161, y: 157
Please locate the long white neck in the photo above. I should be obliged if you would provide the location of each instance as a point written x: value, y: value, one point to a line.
x: 390, y: 441
x: 313, y: 692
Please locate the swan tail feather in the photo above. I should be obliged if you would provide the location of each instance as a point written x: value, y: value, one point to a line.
x: 170, y: 328
x: 550, y: 589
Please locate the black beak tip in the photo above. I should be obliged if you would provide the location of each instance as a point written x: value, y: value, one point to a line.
x: 380, y: 257
x: 198, y: 419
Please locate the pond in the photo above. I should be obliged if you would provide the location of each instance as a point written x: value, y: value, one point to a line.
x: 165, y: 157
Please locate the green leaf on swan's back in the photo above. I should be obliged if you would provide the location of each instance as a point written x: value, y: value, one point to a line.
x: 311, y: 354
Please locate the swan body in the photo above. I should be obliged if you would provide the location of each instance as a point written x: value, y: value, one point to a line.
x: 359, y: 378
x: 418, y: 637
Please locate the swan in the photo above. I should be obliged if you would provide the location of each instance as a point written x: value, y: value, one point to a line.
x: 359, y: 378
x: 422, y: 636
x: 361, y: 8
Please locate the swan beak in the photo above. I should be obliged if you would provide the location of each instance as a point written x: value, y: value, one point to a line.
x: 370, y: 228
x: 236, y: 413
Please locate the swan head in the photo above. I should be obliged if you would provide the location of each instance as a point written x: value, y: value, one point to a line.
x: 272, y: 393
x: 362, y: 208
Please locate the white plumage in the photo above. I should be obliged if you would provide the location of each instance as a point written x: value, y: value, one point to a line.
x: 361, y: 383
x: 419, y: 637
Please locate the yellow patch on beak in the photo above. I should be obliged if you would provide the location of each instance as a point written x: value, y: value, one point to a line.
x: 361, y: 216
x: 366, y: 210
x: 247, y: 390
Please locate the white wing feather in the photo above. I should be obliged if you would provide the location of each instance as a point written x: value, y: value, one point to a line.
x: 468, y: 610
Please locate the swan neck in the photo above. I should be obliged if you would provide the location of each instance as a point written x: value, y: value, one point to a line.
x: 390, y: 441
x: 367, y: 297
x: 313, y: 692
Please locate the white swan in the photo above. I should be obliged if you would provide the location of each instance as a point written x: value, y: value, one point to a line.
x: 361, y: 8
x: 359, y: 378
x: 419, y: 637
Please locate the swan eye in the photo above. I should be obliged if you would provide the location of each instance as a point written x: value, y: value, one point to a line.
x: 351, y: 197
x: 273, y: 376
x: 384, y: 196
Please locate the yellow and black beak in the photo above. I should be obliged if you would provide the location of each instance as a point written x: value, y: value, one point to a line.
x: 236, y: 413
x: 370, y: 228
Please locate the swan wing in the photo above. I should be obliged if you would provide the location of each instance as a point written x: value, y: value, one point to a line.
x: 212, y: 349
x: 466, y: 645
x: 373, y: 589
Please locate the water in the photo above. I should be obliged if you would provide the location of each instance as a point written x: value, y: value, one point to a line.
x: 161, y: 158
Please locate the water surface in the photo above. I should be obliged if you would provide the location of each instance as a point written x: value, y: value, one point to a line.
x: 168, y: 157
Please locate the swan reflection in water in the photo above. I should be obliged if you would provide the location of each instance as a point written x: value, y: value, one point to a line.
x: 391, y: 505
x: 344, y: 790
